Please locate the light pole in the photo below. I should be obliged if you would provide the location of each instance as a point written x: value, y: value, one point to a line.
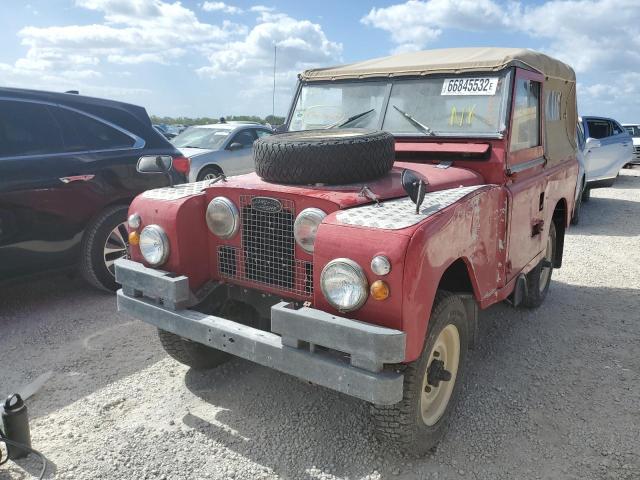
x: 273, y: 97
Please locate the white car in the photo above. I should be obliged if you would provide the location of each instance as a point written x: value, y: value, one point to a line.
x: 634, y: 131
x: 606, y: 147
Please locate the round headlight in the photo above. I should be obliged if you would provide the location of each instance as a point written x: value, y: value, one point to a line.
x: 380, y: 265
x: 222, y: 217
x: 305, y: 227
x: 344, y: 284
x: 154, y: 245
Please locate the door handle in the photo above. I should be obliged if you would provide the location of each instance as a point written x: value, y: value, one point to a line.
x: 77, y: 178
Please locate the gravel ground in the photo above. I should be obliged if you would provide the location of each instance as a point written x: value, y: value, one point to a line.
x: 550, y: 394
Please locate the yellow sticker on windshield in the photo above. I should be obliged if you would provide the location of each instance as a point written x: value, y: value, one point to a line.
x: 467, y: 113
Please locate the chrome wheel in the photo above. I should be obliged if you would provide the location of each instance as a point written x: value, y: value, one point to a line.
x: 210, y: 176
x: 116, y: 246
x: 545, y: 271
x: 440, y: 376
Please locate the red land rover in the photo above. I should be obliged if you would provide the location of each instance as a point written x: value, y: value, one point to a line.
x: 409, y: 191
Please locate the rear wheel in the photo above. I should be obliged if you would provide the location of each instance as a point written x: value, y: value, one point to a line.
x: 209, y: 173
x: 192, y: 354
x: 106, y: 240
x: 586, y: 194
x: 431, y: 384
x: 575, y: 218
x: 539, y: 279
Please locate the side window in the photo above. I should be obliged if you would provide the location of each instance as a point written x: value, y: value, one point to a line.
x: 82, y: 133
x: 244, y: 138
x: 599, y: 128
x: 263, y: 133
x: 28, y: 129
x: 525, y: 128
x: 553, y: 105
x: 616, y: 128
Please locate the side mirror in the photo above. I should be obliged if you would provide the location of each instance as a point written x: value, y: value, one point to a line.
x: 593, y: 143
x: 280, y: 128
x: 415, y: 185
x: 154, y: 164
x: 235, y: 146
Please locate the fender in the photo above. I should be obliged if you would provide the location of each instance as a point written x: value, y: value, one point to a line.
x: 472, y: 230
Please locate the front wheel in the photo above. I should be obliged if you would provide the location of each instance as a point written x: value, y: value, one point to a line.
x: 106, y: 240
x: 432, y: 383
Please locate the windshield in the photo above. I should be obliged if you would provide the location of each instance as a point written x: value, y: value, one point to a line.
x: 200, y: 137
x: 634, y: 130
x: 451, y: 106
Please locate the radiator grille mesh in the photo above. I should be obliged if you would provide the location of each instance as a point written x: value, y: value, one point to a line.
x: 267, y: 256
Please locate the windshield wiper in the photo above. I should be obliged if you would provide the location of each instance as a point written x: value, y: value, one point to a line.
x: 350, y: 119
x: 191, y: 146
x: 414, y: 122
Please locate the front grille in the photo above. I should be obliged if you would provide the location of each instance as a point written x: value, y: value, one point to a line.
x: 267, y: 255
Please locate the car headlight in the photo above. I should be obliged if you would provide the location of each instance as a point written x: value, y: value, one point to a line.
x: 154, y: 245
x: 344, y: 284
x: 223, y: 218
x: 306, y: 226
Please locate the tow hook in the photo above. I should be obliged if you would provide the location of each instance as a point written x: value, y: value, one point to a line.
x: 436, y: 373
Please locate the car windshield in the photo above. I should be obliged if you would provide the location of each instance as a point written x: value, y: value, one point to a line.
x: 444, y: 106
x: 201, y: 137
x: 634, y: 130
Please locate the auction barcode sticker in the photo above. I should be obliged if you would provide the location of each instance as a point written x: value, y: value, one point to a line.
x: 470, y: 86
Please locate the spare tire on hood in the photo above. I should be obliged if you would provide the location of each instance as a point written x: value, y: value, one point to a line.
x: 332, y: 156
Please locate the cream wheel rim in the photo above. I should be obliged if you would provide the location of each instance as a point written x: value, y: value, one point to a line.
x: 444, y: 359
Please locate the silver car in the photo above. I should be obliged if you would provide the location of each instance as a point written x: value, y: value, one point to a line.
x: 606, y: 147
x: 219, y: 148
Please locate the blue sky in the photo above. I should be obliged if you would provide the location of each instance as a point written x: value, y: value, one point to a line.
x: 213, y: 58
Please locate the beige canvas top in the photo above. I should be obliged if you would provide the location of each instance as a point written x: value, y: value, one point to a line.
x: 447, y: 60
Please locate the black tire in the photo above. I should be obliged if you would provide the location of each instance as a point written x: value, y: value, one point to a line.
x: 575, y: 218
x: 586, y: 194
x: 92, y: 260
x: 192, y: 354
x: 402, y: 424
x: 537, y: 288
x: 333, y: 157
x: 211, y: 170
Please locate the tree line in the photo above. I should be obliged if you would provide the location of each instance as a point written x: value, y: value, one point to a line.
x: 187, y: 121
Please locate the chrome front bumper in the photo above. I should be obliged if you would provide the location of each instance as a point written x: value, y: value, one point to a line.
x: 161, y: 299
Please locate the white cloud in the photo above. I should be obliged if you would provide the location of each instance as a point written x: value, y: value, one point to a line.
x: 262, y: 9
x: 300, y: 44
x: 134, y: 32
x: 221, y: 7
x: 416, y: 23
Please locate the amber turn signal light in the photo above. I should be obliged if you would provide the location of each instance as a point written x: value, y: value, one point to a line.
x: 134, y: 238
x: 379, y: 290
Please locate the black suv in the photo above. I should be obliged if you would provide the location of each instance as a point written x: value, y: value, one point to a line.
x: 67, y: 176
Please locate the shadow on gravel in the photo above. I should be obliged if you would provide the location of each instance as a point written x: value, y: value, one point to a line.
x: 629, y: 179
x: 529, y: 395
x: 298, y: 430
x: 33, y: 466
x: 608, y: 216
x: 57, y: 323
